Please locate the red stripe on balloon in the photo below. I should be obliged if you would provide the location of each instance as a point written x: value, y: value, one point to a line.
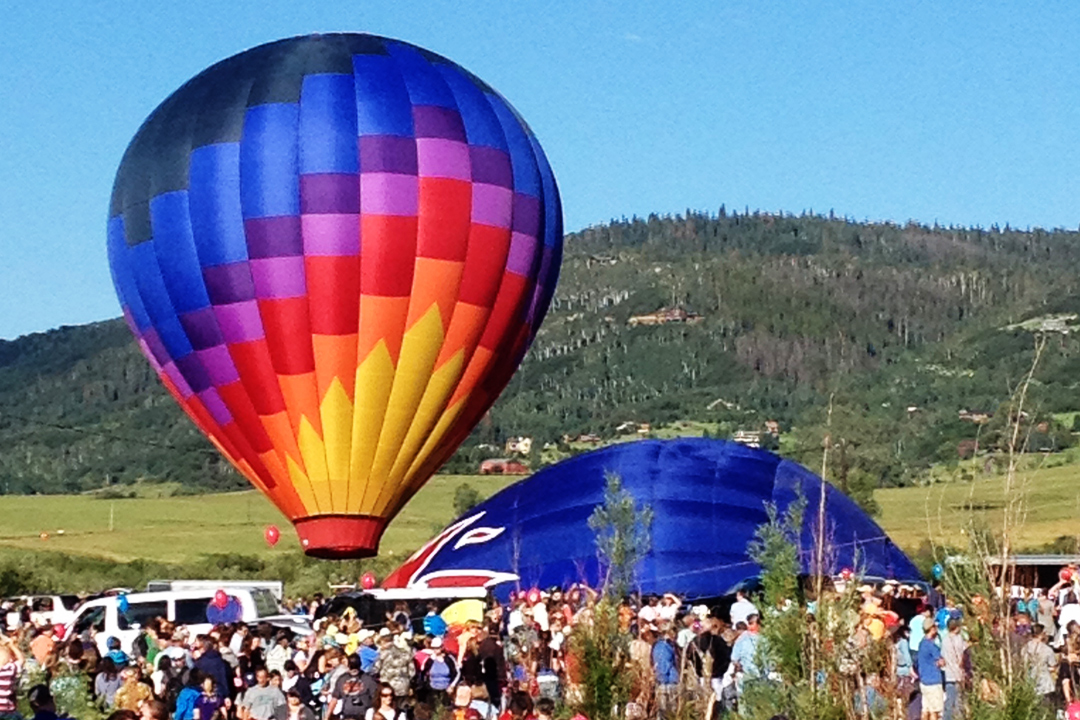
x: 288, y: 334
x: 333, y: 286
x: 387, y: 253
x: 252, y: 360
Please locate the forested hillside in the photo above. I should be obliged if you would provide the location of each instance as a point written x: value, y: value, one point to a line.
x: 729, y: 320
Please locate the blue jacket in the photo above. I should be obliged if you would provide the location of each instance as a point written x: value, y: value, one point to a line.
x: 185, y: 703
x: 664, y: 663
x: 368, y: 656
x: 434, y: 626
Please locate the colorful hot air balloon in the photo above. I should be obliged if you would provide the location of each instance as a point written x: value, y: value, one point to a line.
x: 335, y: 250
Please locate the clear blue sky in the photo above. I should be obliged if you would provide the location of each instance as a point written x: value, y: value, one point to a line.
x: 958, y: 112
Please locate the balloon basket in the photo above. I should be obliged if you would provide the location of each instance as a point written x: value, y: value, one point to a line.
x: 340, y: 537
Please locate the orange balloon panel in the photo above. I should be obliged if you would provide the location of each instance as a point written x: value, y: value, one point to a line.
x: 335, y: 250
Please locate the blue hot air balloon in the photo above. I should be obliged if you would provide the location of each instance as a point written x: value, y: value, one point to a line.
x: 335, y: 250
x: 707, y: 496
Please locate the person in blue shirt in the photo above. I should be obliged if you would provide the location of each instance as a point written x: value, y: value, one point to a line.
x: 931, y: 678
x: 368, y: 653
x: 916, y: 625
x: 434, y: 625
x: 118, y: 656
x: 666, y: 672
x: 947, y: 613
x: 902, y: 653
x: 744, y: 651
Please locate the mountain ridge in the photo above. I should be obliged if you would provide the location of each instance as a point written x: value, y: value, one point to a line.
x: 768, y: 317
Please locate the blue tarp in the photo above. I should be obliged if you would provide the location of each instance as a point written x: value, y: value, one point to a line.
x: 707, y: 497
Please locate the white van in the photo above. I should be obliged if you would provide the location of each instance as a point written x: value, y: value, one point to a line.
x: 181, y: 607
x: 44, y: 609
x: 276, y: 587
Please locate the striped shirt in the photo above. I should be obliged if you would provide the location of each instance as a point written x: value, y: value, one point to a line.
x: 9, y: 674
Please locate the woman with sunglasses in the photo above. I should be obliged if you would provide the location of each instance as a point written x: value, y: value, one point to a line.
x: 386, y: 707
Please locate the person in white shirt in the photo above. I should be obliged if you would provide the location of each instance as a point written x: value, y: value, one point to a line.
x: 1069, y: 613
x: 650, y: 612
x: 742, y: 608
x: 540, y: 615
x: 517, y: 616
x: 300, y: 657
x: 279, y: 654
x: 669, y: 608
x: 236, y: 642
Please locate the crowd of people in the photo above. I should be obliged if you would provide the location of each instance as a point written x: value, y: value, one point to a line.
x: 516, y: 662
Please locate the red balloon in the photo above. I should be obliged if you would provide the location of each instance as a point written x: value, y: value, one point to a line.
x: 367, y: 581
x: 846, y: 574
x: 1065, y: 574
x: 220, y: 599
x: 272, y: 535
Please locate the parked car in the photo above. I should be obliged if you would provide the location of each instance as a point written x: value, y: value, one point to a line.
x: 103, y: 618
x: 44, y: 609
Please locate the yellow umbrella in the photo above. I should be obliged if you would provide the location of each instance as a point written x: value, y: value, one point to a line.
x: 464, y: 611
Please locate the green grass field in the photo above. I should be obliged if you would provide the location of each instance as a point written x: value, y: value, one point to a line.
x: 940, y: 512
x: 181, y: 529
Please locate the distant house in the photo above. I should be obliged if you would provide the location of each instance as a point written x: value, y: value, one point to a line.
x: 629, y: 427
x: 503, y: 466
x: 666, y: 315
x: 979, y: 418
x: 584, y: 439
x: 749, y: 438
x: 521, y: 445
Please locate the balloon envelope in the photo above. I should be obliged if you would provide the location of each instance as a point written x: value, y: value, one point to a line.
x: 707, y: 496
x: 335, y: 250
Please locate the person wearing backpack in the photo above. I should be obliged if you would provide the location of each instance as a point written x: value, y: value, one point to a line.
x: 438, y: 674
x: 353, y: 693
